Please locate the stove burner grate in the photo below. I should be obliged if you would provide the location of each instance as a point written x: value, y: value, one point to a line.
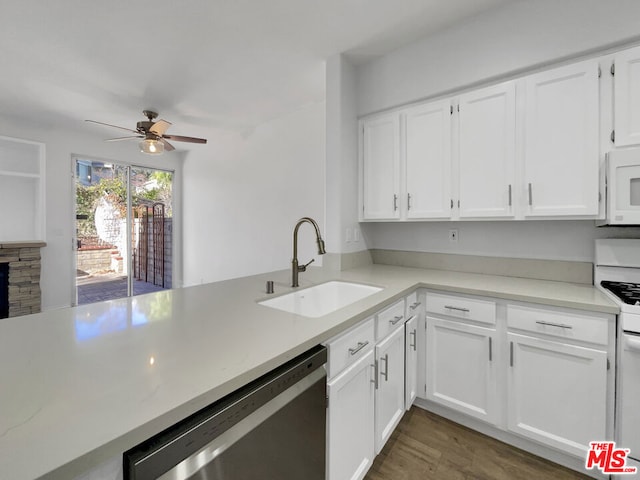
x: 627, y: 292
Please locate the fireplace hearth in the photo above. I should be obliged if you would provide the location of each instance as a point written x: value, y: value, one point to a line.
x: 20, y: 278
x: 4, y: 290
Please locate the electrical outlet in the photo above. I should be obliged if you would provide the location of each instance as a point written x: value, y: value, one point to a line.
x: 453, y: 235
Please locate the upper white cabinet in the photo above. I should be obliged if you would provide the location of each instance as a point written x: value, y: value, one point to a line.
x: 523, y: 149
x: 561, y: 147
x: 381, y: 167
x: 626, y: 107
x: 427, y: 153
x: 487, y: 151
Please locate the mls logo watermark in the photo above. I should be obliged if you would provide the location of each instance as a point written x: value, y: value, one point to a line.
x: 608, y: 458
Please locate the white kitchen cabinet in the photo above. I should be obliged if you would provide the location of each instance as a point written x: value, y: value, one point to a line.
x: 389, y: 393
x: 350, y: 427
x: 557, y: 393
x: 427, y: 141
x: 411, y: 361
x: 486, y: 151
x: 461, y: 371
x: 561, y: 146
x: 626, y: 104
x: 381, y: 167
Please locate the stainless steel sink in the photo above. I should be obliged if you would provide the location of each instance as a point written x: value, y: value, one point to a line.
x: 321, y: 299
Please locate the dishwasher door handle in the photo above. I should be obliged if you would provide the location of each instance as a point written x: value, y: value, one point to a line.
x: 632, y: 342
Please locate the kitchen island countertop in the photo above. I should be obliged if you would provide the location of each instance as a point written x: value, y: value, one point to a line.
x: 80, y: 385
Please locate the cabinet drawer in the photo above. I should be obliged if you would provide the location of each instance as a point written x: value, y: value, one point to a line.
x: 412, y: 305
x: 567, y: 325
x: 389, y: 318
x: 461, y: 307
x: 347, y: 348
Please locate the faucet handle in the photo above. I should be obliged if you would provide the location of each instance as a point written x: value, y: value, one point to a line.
x: 303, y: 268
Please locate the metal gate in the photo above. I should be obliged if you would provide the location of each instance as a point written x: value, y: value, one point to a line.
x: 148, y: 257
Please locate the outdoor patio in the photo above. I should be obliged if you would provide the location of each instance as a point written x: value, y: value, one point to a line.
x: 97, y: 288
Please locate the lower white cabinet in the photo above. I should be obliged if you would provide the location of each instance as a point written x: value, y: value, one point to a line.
x: 411, y: 361
x: 350, y: 432
x: 389, y: 393
x: 461, y: 372
x: 557, y: 393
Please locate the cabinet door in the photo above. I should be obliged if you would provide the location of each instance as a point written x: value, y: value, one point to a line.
x: 411, y: 361
x: 381, y: 167
x: 561, y: 148
x: 557, y: 393
x: 389, y: 404
x: 486, y: 151
x: 626, y: 82
x: 350, y: 416
x: 428, y: 160
x: 461, y: 371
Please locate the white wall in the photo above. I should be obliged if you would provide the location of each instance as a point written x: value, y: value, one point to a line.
x: 342, y: 146
x: 243, y: 196
x: 57, y: 277
x: 502, y: 41
x: 551, y: 240
x: 499, y: 43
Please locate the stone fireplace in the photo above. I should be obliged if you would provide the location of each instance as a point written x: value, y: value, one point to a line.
x: 23, y: 278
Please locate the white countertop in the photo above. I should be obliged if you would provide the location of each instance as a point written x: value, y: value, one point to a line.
x: 81, y: 385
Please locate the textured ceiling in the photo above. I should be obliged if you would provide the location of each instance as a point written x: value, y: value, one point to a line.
x: 203, y: 64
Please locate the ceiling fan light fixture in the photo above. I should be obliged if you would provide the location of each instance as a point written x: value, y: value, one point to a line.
x: 151, y: 146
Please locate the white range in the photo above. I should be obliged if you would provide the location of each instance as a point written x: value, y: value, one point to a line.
x: 617, y: 273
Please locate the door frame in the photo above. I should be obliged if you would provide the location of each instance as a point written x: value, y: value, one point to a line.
x: 174, y: 167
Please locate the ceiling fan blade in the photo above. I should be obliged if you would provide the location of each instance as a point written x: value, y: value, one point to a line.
x: 178, y: 138
x: 160, y: 127
x: 167, y: 146
x: 114, y: 126
x: 123, y: 138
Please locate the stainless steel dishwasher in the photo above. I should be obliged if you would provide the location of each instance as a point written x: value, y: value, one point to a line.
x: 273, y: 428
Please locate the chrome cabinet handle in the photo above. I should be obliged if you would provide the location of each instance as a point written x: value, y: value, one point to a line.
x: 511, y: 354
x: 396, y: 319
x: 375, y: 374
x: 386, y: 367
x: 551, y: 324
x: 449, y: 307
x: 395, y: 202
x: 408, y: 201
x: 413, y: 345
x: 490, y: 350
x: 360, y: 346
x: 415, y: 305
x: 509, y: 194
x: 530, y: 196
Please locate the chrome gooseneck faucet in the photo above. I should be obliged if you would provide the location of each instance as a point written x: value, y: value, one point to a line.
x: 295, y: 268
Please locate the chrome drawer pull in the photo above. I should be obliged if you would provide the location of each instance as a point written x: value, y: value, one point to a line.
x: 360, y: 346
x: 415, y: 305
x: 396, y: 319
x: 550, y: 324
x: 375, y: 373
x: 386, y: 367
x: 449, y: 307
x: 413, y: 345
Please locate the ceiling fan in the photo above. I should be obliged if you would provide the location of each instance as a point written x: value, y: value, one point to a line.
x: 153, y: 134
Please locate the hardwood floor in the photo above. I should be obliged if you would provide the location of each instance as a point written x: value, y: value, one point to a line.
x: 428, y: 447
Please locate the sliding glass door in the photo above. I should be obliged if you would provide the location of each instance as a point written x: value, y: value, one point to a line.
x: 124, y: 220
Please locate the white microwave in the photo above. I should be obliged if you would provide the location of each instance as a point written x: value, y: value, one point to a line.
x: 623, y: 187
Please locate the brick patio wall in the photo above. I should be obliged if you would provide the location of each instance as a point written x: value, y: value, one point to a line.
x: 94, y: 259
